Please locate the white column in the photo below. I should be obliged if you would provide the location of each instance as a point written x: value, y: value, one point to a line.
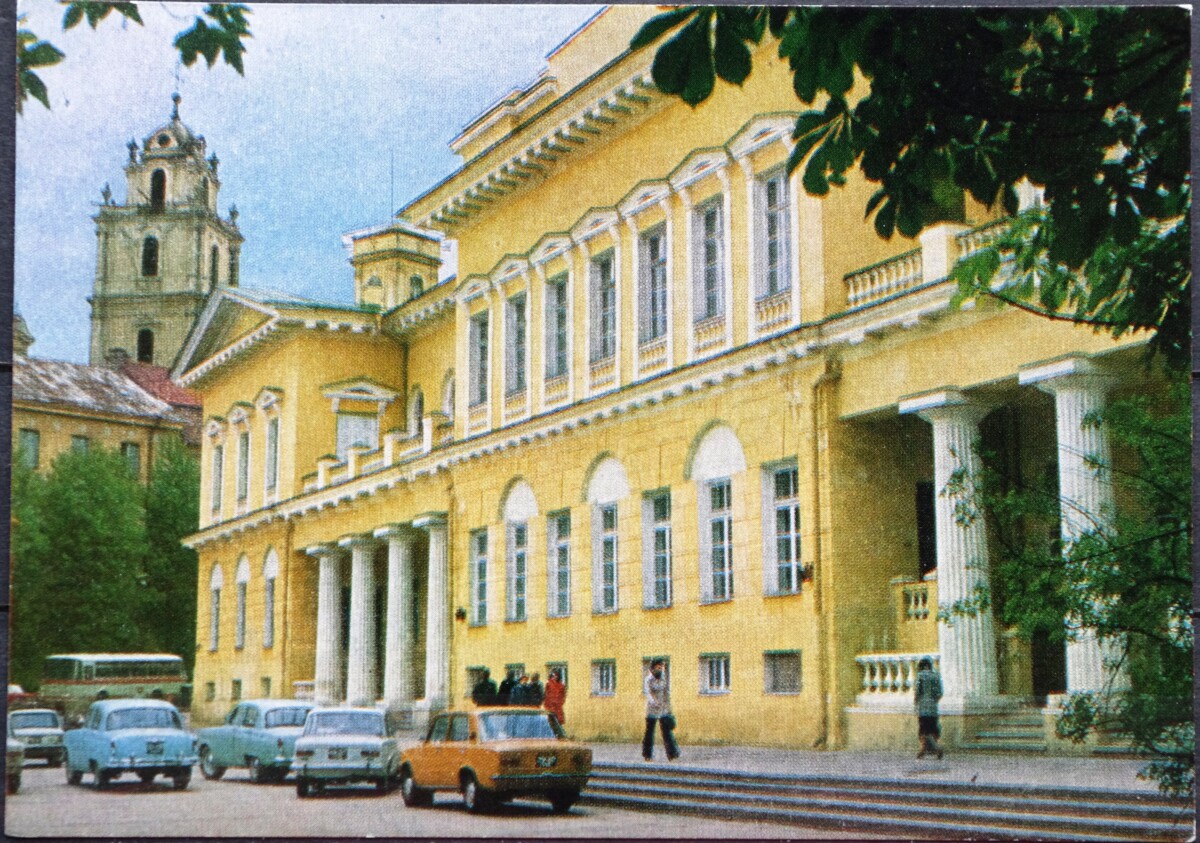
x: 360, y: 673
x: 1086, y: 499
x: 328, y: 674
x: 437, y: 624
x: 966, y: 643
x: 397, y: 681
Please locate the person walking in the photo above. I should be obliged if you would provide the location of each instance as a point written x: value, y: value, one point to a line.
x: 504, y: 694
x: 927, y: 693
x: 658, y: 712
x: 484, y: 692
x: 556, y: 697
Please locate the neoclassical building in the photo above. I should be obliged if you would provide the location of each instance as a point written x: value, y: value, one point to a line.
x: 668, y: 406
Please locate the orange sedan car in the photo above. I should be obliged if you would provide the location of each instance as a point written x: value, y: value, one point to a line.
x: 493, y: 755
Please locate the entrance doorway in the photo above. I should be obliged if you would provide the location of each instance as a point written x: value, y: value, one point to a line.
x: 1049, y: 658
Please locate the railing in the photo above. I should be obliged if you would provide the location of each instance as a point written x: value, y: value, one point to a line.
x: 652, y: 355
x: 444, y: 433
x: 889, y: 678
x: 603, y: 373
x: 557, y: 389
x: 970, y: 242
x: 516, y: 405
x: 477, y: 418
x: 884, y: 279
x: 773, y: 311
x: 915, y: 602
x: 709, y: 332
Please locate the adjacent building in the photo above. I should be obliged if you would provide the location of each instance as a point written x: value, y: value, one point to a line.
x: 670, y: 406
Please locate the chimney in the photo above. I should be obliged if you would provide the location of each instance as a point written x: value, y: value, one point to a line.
x: 116, y: 358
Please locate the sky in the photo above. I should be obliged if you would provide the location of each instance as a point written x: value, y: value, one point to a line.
x: 335, y: 100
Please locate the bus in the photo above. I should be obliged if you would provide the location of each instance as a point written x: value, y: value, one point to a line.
x: 72, y: 682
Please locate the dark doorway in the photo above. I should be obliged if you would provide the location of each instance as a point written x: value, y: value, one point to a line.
x: 926, y: 527
x: 1049, y: 657
x: 145, y: 346
x: 158, y: 191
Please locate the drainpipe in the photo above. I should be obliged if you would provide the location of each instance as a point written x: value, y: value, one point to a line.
x: 284, y: 671
x: 821, y: 388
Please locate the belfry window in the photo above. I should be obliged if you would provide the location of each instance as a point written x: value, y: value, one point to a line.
x: 150, y: 256
x: 158, y: 191
x: 214, y: 266
x: 145, y: 346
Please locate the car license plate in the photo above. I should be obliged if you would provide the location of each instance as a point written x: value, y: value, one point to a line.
x: 155, y: 748
x: 32, y: 741
x: 337, y: 753
x: 547, y: 760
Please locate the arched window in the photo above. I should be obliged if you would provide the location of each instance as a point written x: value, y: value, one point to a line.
x: 270, y: 574
x: 243, y: 581
x: 717, y: 460
x: 158, y: 191
x: 214, y: 266
x: 145, y: 346
x: 416, y: 286
x: 416, y: 411
x: 215, y: 581
x: 150, y: 256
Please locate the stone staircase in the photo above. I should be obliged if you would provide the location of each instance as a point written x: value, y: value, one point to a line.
x: 1019, y: 731
x: 895, y: 807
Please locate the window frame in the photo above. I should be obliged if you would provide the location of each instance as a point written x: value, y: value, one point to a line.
x: 516, y: 352
x: 341, y: 451
x: 604, y: 677
x: 654, y: 284
x: 478, y: 339
x: 606, y: 564
x: 131, y: 452
x: 517, y: 573
x: 557, y: 326
x: 710, y: 517
x: 477, y: 554
x: 769, y: 673
x: 80, y: 444
x: 773, y: 505
x: 243, y: 467
x: 28, y: 435
x: 715, y: 674
x: 271, y: 456
x: 217, y: 478
x: 657, y: 561
x: 558, y: 564
x: 708, y: 282
x: 604, y: 314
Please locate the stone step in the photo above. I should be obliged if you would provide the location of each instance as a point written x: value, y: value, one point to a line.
x: 1016, y: 745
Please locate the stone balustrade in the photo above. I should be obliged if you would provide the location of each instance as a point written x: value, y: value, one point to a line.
x: 889, y: 678
x: 882, y: 280
x: 980, y: 237
x: 773, y: 311
x: 709, y: 333
x: 652, y: 355
x: 603, y: 373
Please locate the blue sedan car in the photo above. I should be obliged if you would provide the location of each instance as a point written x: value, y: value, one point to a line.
x: 145, y: 737
x: 259, y: 735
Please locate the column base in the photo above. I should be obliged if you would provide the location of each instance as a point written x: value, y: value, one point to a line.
x: 978, y: 704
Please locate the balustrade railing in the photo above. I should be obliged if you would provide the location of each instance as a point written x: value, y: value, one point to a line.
x: 970, y: 242
x: 916, y: 601
x: 773, y: 311
x: 884, y: 279
x: 652, y: 355
x: 709, y: 332
x: 889, y: 678
x: 556, y: 389
x: 603, y: 372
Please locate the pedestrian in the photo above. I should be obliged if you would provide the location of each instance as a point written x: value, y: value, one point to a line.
x: 556, y: 696
x: 658, y: 712
x: 927, y: 693
x: 520, y: 692
x: 537, y: 693
x: 484, y: 692
x: 504, y: 694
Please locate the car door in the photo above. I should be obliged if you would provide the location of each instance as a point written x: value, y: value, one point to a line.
x: 244, y: 733
x: 438, y: 769
x: 224, y: 740
x: 457, y: 742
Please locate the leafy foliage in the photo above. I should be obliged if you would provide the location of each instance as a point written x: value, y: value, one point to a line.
x: 96, y: 560
x: 219, y: 33
x: 933, y: 103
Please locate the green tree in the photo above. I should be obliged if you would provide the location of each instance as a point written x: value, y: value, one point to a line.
x: 931, y: 103
x: 78, y: 557
x: 172, y: 512
x: 219, y: 32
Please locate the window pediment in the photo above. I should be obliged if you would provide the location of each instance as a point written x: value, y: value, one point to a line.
x: 593, y: 223
x: 363, y: 389
x: 762, y: 131
x: 697, y: 166
x: 473, y: 287
x: 643, y: 196
x: 509, y: 268
x: 269, y: 399
x: 550, y: 246
x: 215, y: 429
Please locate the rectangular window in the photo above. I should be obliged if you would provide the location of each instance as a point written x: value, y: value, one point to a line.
x: 558, y: 557
x: 781, y: 672
x: 210, y: 691
x: 653, y: 287
x: 517, y: 341
x: 479, y: 359
x: 561, y: 667
x: 714, y: 673
x: 556, y: 326
x: 79, y: 444
x: 478, y: 572
x: 235, y: 690
x: 604, y: 584
x: 265, y: 686
x: 132, y: 453
x: 31, y: 448
x: 604, y: 308
x: 604, y: 678
x: 720, y: 522
x: 356, y: 430
x: 243, y: 475
x: 709, y: 261
x: 218, y: 476
x: 214, y: 619
x: 781, y: 519
x: 272, y: 472
x: 240, y: 636
x: 518, y: 562
x: 776, y: 222
x: 656, y: 550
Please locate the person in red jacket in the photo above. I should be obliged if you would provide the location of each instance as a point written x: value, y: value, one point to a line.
x: 556, y: 695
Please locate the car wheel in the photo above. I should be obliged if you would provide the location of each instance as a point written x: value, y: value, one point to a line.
x: 14, y: 782
x: 100, y: 778
x: 257, y: 774
x: 208, y: 768
x: 182, y: 779
x: 146, y: 776
x: 475, y: 797
x: 562, y: 800
x: 382, y: 785
x: 73, y: 776
x: 302, y: 788
x: 414, y: 797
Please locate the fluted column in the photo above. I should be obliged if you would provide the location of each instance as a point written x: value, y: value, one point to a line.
x: 327, y: 677
x: 1086, y: 498
x: 360, y: 673
x: 437, y: 624
x: 397, y: 679
x: 966, y: 642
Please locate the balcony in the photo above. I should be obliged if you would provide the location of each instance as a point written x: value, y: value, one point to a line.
x: 603, y: 374
x: 773, y: 312
x: 886, y: 279
x: 652, y: 356
x: 709, y: 333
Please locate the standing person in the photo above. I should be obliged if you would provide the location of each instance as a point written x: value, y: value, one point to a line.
x: 537, y: 693
x: 520, y: 692
x: 556, y: 696
x: 484, y: 692
x: 504, y: 694
x: 927, y: 693
x: 658, y: 711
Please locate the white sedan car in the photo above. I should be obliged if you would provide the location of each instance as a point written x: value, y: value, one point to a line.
x: 343, y: 746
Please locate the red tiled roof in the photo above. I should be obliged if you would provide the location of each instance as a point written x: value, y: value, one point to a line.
x: 157, y: 381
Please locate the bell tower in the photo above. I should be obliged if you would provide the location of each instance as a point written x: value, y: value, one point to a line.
x: 160, y: 253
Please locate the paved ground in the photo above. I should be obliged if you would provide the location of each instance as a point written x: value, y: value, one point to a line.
x: 1040, y: 770
x: 47, y: 807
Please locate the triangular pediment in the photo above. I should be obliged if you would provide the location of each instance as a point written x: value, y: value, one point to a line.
x: 226, y: 319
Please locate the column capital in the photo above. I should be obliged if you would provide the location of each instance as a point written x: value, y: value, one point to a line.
x: 943, y: 404
x: 320, y: 551
x: 430, y: 520
x: 1070, y: 372
x: 392, y: 531
x: 354, y: 540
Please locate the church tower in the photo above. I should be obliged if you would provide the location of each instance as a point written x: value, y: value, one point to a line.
x: 160, y: 254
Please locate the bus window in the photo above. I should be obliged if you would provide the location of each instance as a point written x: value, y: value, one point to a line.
x: 88, y: 671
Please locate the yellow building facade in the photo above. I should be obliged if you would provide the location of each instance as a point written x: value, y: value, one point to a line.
x: 669, y: 406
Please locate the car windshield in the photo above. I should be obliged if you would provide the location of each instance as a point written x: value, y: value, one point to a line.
x: 143, y: 718
x: 500, y: 727
x: 290, y: 716
x: 345, y: 723
x: 34, y: 720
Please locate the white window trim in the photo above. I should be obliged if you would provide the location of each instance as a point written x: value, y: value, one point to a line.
x: 704, y: 511
x: 699, y: 291
x: 216, y: 479
x: 641, y: 278
x: 342, y: 453
x: 599, y: 668
x: 554, y: 542
x: 650, y: 528
x: 599, y: 536
x: 216, y: 581
x: 723, y: 664
x: 550, y: 331
x: 243, y: 594
x: 479, y: 361
x: 511, y: 358
x: 516, y: 580
x: 243, y: 474
x: 270, y: 575
x: 271, y: 489
x: 478, y: 612
x: 770, y: 546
